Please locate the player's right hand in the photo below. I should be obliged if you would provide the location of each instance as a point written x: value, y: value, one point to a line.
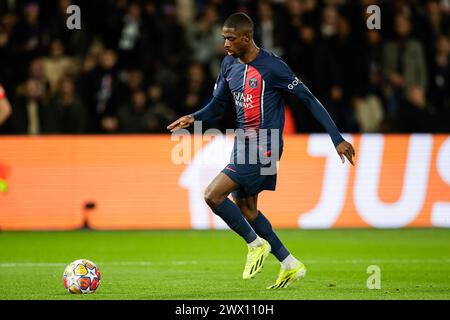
x: 181, y: 123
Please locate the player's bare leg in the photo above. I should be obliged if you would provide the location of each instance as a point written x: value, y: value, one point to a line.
x: 219, y: 189
x: 291, y: 269
x: 216, y: 196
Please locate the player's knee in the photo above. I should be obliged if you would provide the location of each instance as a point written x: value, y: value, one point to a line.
x: 249, y: 214
x: 212, y: 199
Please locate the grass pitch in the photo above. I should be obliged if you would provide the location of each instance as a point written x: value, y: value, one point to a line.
x: 414, y: 264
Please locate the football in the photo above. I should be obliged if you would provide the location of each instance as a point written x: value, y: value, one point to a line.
x: 81, y: 276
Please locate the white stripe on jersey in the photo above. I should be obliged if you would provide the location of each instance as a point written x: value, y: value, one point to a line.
x: 262, y: 102
x: 245, y: 76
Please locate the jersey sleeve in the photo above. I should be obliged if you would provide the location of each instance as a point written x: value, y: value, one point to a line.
x: 284, y: 78
x: 221, y: 89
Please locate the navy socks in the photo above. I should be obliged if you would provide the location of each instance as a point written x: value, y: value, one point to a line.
x: 232, y: 215
x: 264, y: 229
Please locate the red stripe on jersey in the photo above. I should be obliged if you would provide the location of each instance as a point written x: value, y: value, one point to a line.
x: 2, y: 92
x: 252, y: 98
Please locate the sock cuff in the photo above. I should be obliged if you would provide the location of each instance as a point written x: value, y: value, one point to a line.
x: 256, y: 220
x: 220, y: 206
x: 282, y: 253
x: 251, y: 236
x: 260, y: 216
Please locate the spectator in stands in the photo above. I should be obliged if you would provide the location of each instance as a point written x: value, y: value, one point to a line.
x: 174, y: 53
x: 159, y: 108
x: 57, y: 64
x: 174, y: 47
x: 130, y: 31
x: 205, y: 39
x: 333, y: 33
x: 416, y: 114
x: 310, y: 12
x: 295, y: 11
x: 29, y: 110
x: 330, y: 22
x: 36, y: 72
x: 367, y: 100
x: 344, y: 53
x: 403, y: 64
x: 319, y: 74
x: 133, y: 116
x: 90, y: 61
x: 99, y: 87
x: 437, y: 20
x: 269, y: 29
x: 30, y: 39
x: 196, y: 92
x: 133, y: 80
x: 439, y: 93
x: 152, y: 37
x: 66, y: 112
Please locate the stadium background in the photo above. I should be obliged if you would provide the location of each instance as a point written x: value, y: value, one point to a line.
x: 84, y: 144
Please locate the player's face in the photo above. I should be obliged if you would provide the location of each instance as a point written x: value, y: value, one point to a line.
x: 235, y: 42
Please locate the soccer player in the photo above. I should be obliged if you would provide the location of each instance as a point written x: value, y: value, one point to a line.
x: 255, y: 78
x: 5, y: 107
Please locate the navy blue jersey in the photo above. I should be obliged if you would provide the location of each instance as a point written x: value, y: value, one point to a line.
x: 256, y: 89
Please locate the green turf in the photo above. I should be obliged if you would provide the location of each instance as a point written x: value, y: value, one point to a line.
x: 415, y: 264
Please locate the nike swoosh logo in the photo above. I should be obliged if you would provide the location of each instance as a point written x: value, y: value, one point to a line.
x: 228, y: 168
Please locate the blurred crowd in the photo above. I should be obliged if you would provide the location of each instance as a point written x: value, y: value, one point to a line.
x: 135, y: 66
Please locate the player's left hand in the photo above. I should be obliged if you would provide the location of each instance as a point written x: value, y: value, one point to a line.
x: 346, y: 149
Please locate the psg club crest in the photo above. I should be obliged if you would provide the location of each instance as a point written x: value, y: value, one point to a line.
x: 253, y: 83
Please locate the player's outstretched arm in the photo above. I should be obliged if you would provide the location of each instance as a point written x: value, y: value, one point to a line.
x: 285, y: 79
x: 343, y: 148
x: 181, y: 123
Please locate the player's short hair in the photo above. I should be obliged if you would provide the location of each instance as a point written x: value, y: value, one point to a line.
x: 240, y: 22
